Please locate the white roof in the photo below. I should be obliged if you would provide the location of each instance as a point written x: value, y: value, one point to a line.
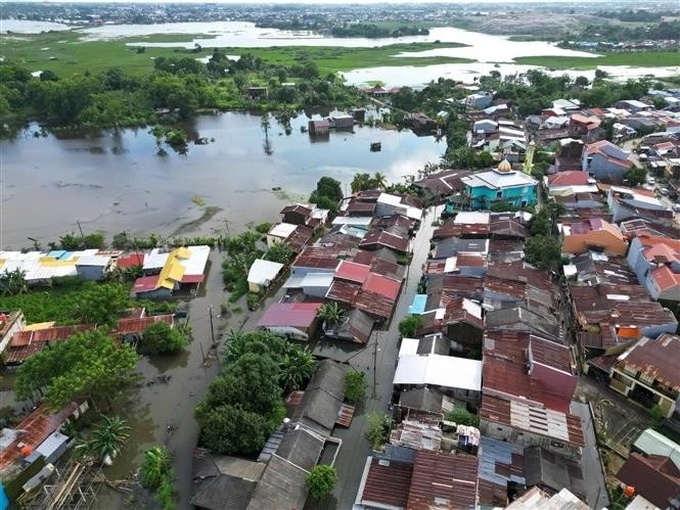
x: 196, y: 263
x: 282, y: 230
x: 409, y: 347
x: 472, y: 218
x: 94, y: 260
x: 572, y: 190
x: 309, y: 280
x: 496, y: 180
x: 472, y: 308
x: 566, y: 141
x: 387, y: 198
x: 438, y: 370
x: 263, y: 271
x: 533, y: 418
x: 640, y: 503
x: 636, y: 103
x: 155, y: 259
x: 355, y: 221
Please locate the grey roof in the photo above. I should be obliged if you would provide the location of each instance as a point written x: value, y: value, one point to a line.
x: 322, y: 401
x: 422, y: 399
x: 552, y: 471
x: 357, y: 327
x: 652, y: 442
x: 519, y: 318
x: 494, y: 452
x: 301, y: 447
x: 283, y: 485
x: 453, y: 245
x: 434, y: 344
x: 223, y: 493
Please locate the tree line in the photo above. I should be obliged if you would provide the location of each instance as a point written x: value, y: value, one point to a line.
x: 176, y: 88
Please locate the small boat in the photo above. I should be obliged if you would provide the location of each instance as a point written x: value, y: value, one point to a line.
x: 376, y: 146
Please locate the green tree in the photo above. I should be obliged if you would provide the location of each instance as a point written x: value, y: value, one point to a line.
x: 13, y: 283
x: 543, y: 251
x: 355, y: 387
x: 227, y: 429
x: 462, y: 416
x: 635, y: 176
x: 280, y: 253
x: 89, y: 364
x: 329, y: 188
x: 409, y: 326
x: 361, y: 181
x: 156, y: 466
x: 107, y: 439
x: 331, y: 313
x: 160, y: 337
x: 297, y: 366
x: 321, y: 481
x: 379, y: 426
x: 101, y: 304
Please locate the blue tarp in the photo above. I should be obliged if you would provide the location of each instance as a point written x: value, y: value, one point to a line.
x: 4, y: 500
x: 417, y: 307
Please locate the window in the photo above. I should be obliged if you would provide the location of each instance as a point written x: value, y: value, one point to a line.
x: 499, y: 193
x: 557, y: 444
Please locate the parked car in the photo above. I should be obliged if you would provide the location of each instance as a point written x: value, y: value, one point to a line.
x: 664, y: 191
x: 651, y: 180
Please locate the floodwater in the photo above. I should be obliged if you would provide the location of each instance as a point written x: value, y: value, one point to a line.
x: 114, y: 181
x: 29, y: 27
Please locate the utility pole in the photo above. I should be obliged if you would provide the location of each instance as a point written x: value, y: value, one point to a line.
x: 80, y: 228
x: 212, y: 326
x: 375, y: 366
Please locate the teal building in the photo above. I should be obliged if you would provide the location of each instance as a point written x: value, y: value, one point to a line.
x: 502, y: 184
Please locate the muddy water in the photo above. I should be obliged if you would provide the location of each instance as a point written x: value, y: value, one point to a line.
x: 114, y: 181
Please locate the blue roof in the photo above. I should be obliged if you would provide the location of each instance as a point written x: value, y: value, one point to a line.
x: 418, y: 305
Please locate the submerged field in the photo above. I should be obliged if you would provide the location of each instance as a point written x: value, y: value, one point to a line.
x: 66, y: 53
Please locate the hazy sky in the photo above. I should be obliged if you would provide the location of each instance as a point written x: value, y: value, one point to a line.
x: 318, y: 2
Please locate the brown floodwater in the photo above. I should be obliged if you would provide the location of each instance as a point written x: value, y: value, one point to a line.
x: 113, y: 181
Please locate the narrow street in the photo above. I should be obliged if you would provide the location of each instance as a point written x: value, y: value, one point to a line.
x: 383, y: 348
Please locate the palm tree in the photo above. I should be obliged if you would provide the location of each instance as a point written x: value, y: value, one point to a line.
x: 13, y: 283
x: 155, y: 466
x: 234, y: 344
x: 108, y: 438
x: 297, y: 366
x: 379, y: 180
x: 331, y: 313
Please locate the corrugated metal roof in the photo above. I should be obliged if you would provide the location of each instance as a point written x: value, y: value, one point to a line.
x: 299, y: 315
x: 387, y: 483
x: 438, y: 370
x: 262, y: 272
x: 352, y: 271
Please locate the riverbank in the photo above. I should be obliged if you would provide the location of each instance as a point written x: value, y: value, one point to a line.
x: 637, y: 59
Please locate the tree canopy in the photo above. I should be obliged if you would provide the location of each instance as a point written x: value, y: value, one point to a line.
x: 160, y: 338
x: 101, y: 304
x: 321, y: 480
x: 87, y: 365
x: 327, y: 194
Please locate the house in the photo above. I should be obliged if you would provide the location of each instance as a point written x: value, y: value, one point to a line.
x: 649, y: 373
x: 459, y: 377
x: 296, y: 214
x: 222, y: 482
x: 94, y: 267
x: 262, y: 273
x: 382, y: 471
x: 10, y: 324
x: 342, y: 121
x: 537, y: 499
x: 580, y: 125
x: 279, y: 233
x: 443, y: 480
x: 569, y: 155
x: 420, y: 123
x: 503, y: 185
x: 389, y: 205
x: 438, y: 186
x: 552, y: 472
x: 479, y: 100
x: 633, y: 105
x: 656, y: 262
x: 656, y: 478
x: 318, y: 127
x: 593, y: 234
x: 651, y: 442
x: 168, y: 272
x: 501, y: 467
x: 485, y: 126
x: 295, y: 320
x: 258, y: 93
x: 606, y: 161
x: 33, y: 338
x: 378, y: 238
x: 356, y: 327
x: 638, y: 203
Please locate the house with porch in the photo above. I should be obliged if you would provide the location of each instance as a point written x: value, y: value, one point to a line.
x: 500, y: 185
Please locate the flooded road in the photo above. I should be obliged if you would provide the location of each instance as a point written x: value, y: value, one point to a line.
x: 114, y: 181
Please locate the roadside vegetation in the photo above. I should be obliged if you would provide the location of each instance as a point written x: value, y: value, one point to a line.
x: 157, y: 475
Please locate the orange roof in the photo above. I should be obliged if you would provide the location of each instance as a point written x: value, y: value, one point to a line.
x: 665, y: 278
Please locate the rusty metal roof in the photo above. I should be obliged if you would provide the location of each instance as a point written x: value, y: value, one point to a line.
x: 443, y: 480
x: 376, y: 238
x: 25, y: 344
x: 139, y: 325
x: 319, y: 257
x: 299, y: 238
x: 658, y: 359
x: 387, y: 483
x: 345, y: 415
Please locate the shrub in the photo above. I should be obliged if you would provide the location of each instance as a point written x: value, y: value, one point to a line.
x: 462, y: 416
x: 321, y: 481
x: 410, y: 325
x: 160, y: 338
x: 379, y: 426
x: 355, y: 387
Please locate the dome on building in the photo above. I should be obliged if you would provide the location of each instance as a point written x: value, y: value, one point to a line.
x: 505, y: 166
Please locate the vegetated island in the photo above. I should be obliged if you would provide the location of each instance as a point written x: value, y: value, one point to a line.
x: 634, y: 59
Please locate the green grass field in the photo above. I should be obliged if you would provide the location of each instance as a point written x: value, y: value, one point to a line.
x: 66, y: 53
x: 642, y: 59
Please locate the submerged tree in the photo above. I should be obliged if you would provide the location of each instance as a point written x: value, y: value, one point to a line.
x: 107, y: 439
x: 156, y: 465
